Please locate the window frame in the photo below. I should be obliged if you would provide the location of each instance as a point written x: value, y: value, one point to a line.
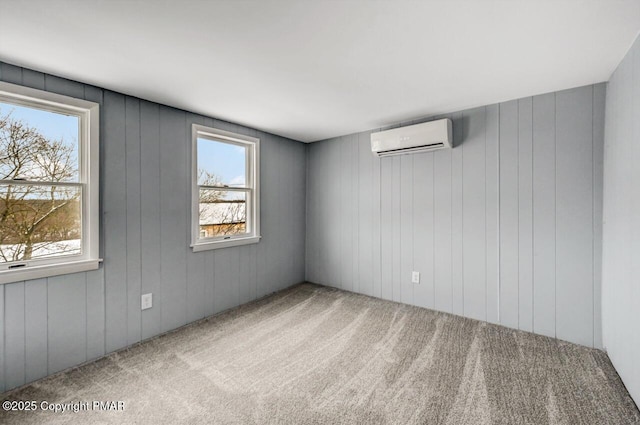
x: 88, y: 180
x: 252, y: 171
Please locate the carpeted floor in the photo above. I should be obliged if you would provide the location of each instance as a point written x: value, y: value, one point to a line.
x: 316, y: 355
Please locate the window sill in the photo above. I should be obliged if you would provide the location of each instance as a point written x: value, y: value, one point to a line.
x: 205, y: 246
x: 37, y: 272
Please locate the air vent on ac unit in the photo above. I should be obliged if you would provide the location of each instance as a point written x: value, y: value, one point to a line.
x: 423, y: 137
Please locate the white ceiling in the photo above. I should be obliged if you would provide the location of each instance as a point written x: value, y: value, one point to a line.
x: 310, y: 70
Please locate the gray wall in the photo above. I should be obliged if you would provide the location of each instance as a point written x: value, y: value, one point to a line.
x: 51, y: 324
x: 506, y: 227
x: 621, y: 237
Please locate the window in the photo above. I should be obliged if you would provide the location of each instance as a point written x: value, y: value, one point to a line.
x: 225, y: 208
x: 48, y: 184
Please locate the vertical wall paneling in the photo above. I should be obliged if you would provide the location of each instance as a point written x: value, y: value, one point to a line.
x: 324, y: 218
x: 335, y: 212
x: 95, y: 301
x: 525, y: 214
x: 248, y: 272
x: 632, y: 267
x: 544, y: 215
x: 150, y: 195
x: 196, y: 304
x: 442, y: 231
x: 311, y: 235
x: 2, y: 336
x: 11, y: 73
x: 599, y: 94
x: 226, y: 277
x: 89, y: 314
x: 386, y: 228
x: 406, y: 228
x: 396, y: 237
x: 365, y: 215
x: 457, y: 205
x: 376, y: 208
x: 67, y: 331
x: 327, y: 213
x: 115, y: 217
x: 283, y: 220
x: 352, y: 183
x: 267, y: 252
x: 293, y: 244
x: 509, y: 214
x: 63, y: 86
x: 279, y: 238
x: 316, y: 152
x: 289, y: 263
x: 133, y: 200
x: 345, y: 206
x: 299, y: 178
x: 35, y: 332
x: 52, y: 324
x: 422, y: 218
x: 209, y: 256
x: 95, y: 279
x: 474, y: 210
x: 174, y: 213
x: 479, y: 221
x: 14, y: 335
x: 492, y: 213
x: 33, y: 79
x: 621, y: 230
x: 574, y: 215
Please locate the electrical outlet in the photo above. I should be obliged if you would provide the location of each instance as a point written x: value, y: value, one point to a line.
x: 415, y: 277
x: 147, y: 301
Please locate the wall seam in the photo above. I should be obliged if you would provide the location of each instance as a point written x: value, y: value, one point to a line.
x: 451, y: 225
x: 24, y: 330
x: 593, y: 227
x: 86, y: 282
x: 126, y: 220
x: 486, y: 284
x: 140, y: 209
x: 462, y: 208
x: 413, y: 241
x: 499, y: 204
x: 518, y: 202
x: 433, y: 225
x: 555, y: 215
x: 533, y: 298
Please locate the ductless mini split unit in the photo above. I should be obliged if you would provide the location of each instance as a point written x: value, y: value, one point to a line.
x: 425, y: 137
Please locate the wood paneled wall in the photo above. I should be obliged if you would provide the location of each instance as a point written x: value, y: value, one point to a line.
x: 48, y: 325
x: 621, y: 237
x: 505, y: 227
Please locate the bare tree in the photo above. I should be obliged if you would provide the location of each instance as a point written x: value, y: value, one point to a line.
x: 35, y: 214
x: 218, y: 215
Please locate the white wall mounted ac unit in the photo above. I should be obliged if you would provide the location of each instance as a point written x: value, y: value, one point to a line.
x: 425, y: 137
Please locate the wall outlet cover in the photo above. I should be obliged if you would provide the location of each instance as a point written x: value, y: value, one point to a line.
x: 146, y: 301
x: 415, y: 277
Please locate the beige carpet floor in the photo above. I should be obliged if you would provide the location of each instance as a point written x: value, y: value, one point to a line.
x: 316, y: 355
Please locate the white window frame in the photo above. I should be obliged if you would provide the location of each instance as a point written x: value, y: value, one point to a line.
x: 89, y: 174
x: 253, y: 185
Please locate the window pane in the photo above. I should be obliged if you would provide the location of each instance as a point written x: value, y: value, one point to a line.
x: 39, y: 222
x: 38, y: 145
x: 221, y: 164
x: 222, y: 213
